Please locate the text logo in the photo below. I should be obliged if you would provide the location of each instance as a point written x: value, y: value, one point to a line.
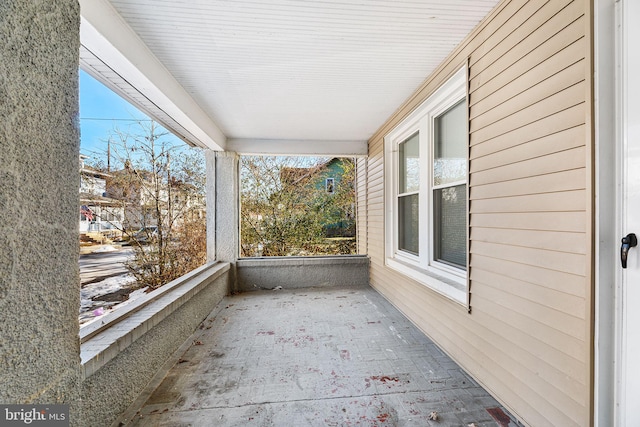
x: 34, y: 415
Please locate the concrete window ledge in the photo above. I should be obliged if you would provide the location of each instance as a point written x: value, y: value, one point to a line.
x: 103, y: 340
x: 301, y: 272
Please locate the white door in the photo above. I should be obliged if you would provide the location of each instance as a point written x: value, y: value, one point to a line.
x: 629, y: 291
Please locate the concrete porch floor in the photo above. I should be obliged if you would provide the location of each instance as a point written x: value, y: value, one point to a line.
x: 312, y: 357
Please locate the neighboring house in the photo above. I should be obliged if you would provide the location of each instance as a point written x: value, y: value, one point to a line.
x: 137, y: 191
x: 332, y: 180
x: 100, y: 216
x: 328, y: 177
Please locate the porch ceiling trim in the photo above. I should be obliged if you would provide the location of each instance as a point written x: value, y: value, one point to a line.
x: 103, y: 31
x: 298, y: 147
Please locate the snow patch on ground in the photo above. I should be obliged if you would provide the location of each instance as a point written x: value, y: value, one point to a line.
x: 92, y: 307
x: 104, y: 248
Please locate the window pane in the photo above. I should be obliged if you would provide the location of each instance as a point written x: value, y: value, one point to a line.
x: 450, y: 225
x: 450, y: 145
x: 408, y: 223
x: 409, y: 165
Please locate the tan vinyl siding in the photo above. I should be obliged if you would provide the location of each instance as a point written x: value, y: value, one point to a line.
x: 528, y: 336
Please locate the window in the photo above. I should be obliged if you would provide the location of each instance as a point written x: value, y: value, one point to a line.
x: 426, y: 191
x: 409, y: 195
x: 329, y: 185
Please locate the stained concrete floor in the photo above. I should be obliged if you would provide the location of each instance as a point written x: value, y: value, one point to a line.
x: 313, y: 357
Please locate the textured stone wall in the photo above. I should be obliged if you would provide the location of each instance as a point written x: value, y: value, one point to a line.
x: 39, y: 143
x: 254, y: 274
x: 210, y: 158
x: 227, y: 208
x: 110, y: 391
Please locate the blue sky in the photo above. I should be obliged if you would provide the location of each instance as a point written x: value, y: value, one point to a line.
x: 102, y: 110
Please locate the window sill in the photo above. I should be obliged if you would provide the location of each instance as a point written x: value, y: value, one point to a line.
x: 454, y: 289
x: 103, y: 340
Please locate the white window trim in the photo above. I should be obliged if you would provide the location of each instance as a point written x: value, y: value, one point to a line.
x: 445, y: 279
x: 326, y: 185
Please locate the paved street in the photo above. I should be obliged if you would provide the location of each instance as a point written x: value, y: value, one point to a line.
x: 313, y: 357
x: 101, y: 265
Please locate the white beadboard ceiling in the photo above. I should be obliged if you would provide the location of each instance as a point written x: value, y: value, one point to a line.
x: 293, y: 73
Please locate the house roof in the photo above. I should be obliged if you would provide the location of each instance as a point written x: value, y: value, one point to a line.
x: 272, y: 76
x: 95, y: 199
x: 94, y: 173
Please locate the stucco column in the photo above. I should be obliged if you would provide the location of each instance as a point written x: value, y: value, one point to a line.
x: 39, y: 196
x: 210, y: 158
x: 223, y: 205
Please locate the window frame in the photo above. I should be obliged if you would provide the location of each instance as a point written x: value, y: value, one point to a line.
x: 330, y: 185
x: 442, y: 277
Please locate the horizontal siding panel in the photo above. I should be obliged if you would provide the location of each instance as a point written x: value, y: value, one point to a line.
x: 564, y: 323
x: 547, y: 202
x: 552, y: 260
x: 571, y: 346
x: 556, y: 162
x: 547, y: 221
x: 562, y: 120
x: 502, y: 39
x: 376, y: 149
x: 375, y: 249
x: 555, y: 300
x: 528, y: 95
x: 375, y: 203
x: 376, y: 154
x: 376, y: 223
x: 375, y: 216
x: 375, y: 178
x: 376, y: 174
x: 412, y: 301
x: 484, y: 100
x: 554, y: 36
x: 520, y: 28
x: 495, y: 29
x: 574, y: 179
x: 374, y: 184
x: 561, y: 241
x: 537, y: 112
x: 376, y: 196
x: 375, y: 170
x: 571, y: 284
x: 376, y: 181
x: 554, y: 399
x: 547, y: 145
x: 559, y: 369
x: 383, y: 275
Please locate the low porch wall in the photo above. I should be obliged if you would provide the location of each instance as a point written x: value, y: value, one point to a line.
x: 255, y: 274
x: 123, y: 353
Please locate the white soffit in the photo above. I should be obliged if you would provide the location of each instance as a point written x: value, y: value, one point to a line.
x: 112, y: 52
x: 293, y: 72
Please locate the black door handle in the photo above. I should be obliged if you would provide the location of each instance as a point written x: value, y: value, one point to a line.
x: 629, y: 241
